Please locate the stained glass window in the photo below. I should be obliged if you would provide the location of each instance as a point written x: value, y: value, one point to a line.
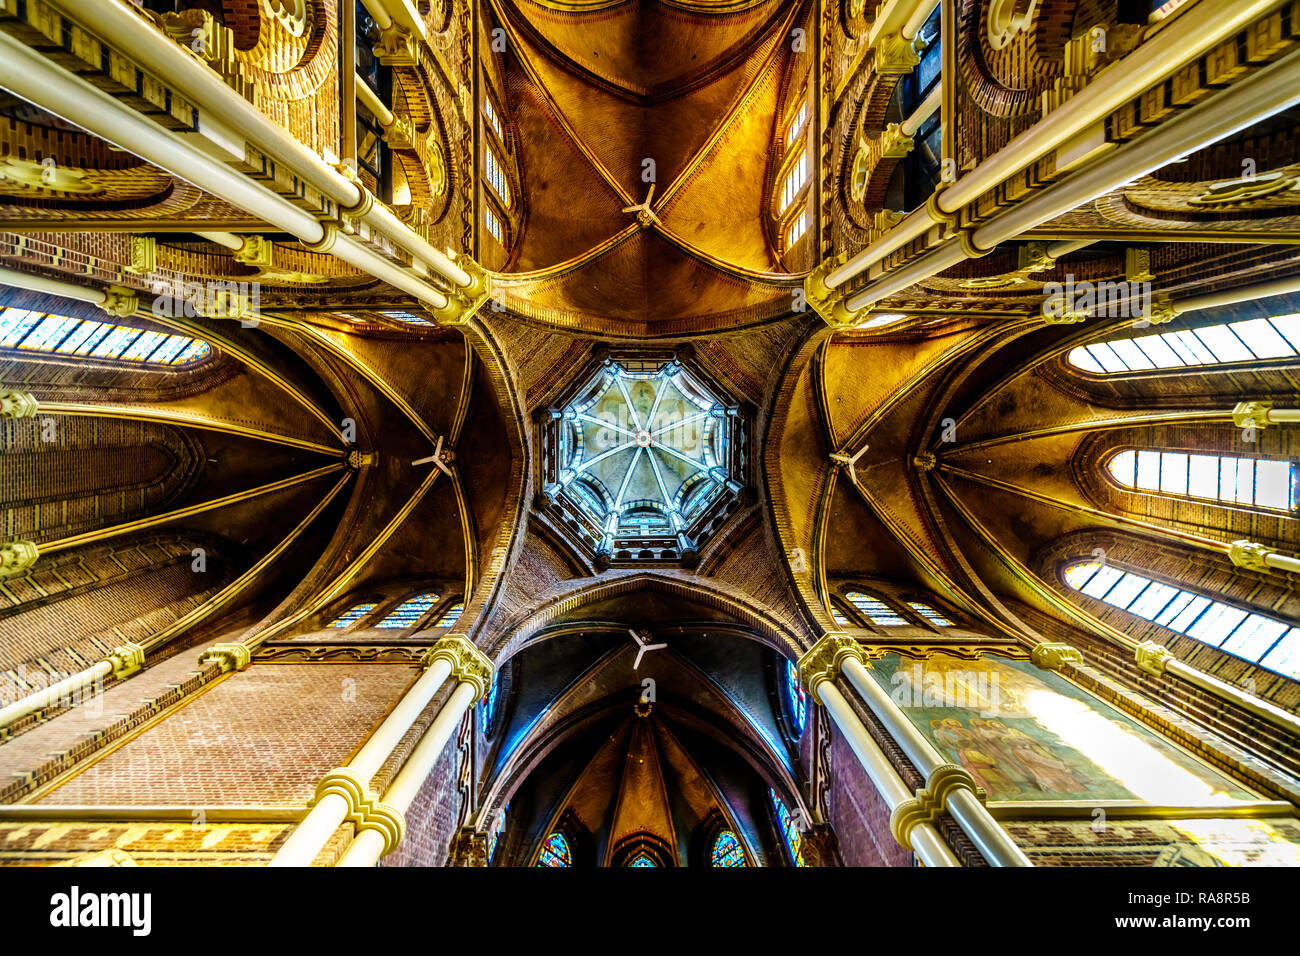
x: 838, y: 617
x: 409, y: 611
x: 726, y: 850
x: 798, y: 701
x: 493, y: 223
x: 488, y: 705
x: 496, y: 175
x: 494, y: 834
x: 643, y: 859
x: 352, y: 615
x: 644, y: 453
x: 794, y: 180
x: 930, y: 614
x: 797, y: 228
x: 555, y: 851
x: 1276, y: 337
x: 1267, y: 641
x: 789, y: 829
x: 59, y: 335
x: 490, y: 111
x: 1266, y: 483
x: 876, y: 611
x: 451, y: 616
x: 797, y: 124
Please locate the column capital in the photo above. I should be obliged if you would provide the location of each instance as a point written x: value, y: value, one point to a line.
x: 120, y: 301
x: 931, y: 800
x: 828, y: 302
x: 256, y: 252
x: 894, y: 143
x: 1152, y: 657
x: 16, y: 404
x: 468, y: 663
x: 17, y: 557
x: 897, y: 55
x: 230, y: 657
x: 1051, y: 655
x: 126, y: 659
x: 824, y: 660
x: 1250, y: 555
x: 1252, y: 414
x: 365, y: 810
x: 464, y: 301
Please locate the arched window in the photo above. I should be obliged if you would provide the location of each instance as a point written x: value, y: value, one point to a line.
x: 488, y: 705
x: 1253, y: 340
x: 931, y: 616
x: 838, y: 617
x: 798, y: 701
x: 496, y: 176
x: 1263, y: 640
x: 726, y: 850
x: 875, y: 610
x: 352, y: 615
x: 494, y: 834
x: 409, y: 611
x: 643, y: 859
x: 789, y: 830
x: 1261, y: 482
x: 451, y: 616
x: 42, y: 332
x: 793, y: 174
x: 555, y: 851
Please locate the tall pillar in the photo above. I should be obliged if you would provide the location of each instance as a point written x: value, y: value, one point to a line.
x: 947, y: 787
x: 344, y: 793
x: 818, y: 670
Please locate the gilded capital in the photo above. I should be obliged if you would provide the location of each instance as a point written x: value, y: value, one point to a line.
x: 365, y: 810
x: 827, y: 302
x: 1050, y: 655
x: 1152, y: 657
x: 120, y: 301
x: 17, y: 557
x: 894, y: 143
x: 1162, y: 310
x: 397, y: 47
x: 464, y: 301
x: 15, y: 404
x: 126, y: 659
x: 1252, y: 414
x: 230, y: 657
x: 824, y: 660
x: 256, y: 252
x: 896, y: 55
x: 1250, y: 555
x: 930, y: 801
x: 468, y: 663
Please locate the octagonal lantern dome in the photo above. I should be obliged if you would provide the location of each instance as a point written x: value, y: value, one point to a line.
x: 644, y: 459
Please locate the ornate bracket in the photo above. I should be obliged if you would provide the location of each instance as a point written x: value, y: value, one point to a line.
x: 17, y: 557
x: 1050, y: 655
x: 231, y: 657
x: 468, y: 663
x: 120, y: 301
x: 1152, y: 657
x: 464, y: 301
x: 126, y: 660
x: 15, y: 404
x: 1250, y: 555
x: 1252, y: 414
x: 825, y: 659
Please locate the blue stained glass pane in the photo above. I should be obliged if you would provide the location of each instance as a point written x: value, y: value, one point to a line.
x: 877, y: 612
x: 84, y: 332
x: 167, y: 352
x: 409, y: 611
x: 555, y: 852
x: 115, y: 343
x: 352, y: 615
x: 197, y: 349
x: 451, y: 617
x: 495, y: 833
x: 48, y: 333
x: 489, y: 703
x: 930, y: 614
x: 97, y: 336
x: 798, y: 701
x: 838, y: 617
x: 791, y: 832
x: 16, y: 323
x: 643, y: 859
x: 144, y: 346
x: 726, y: 850
x: 1254, y: 637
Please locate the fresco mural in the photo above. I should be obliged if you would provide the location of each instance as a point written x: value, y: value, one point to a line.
x: 1026, y: 734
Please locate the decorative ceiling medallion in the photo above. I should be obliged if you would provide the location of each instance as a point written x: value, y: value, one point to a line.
x: 46, y: 175
x: 644, y: 460
x: 992, y: 282
x: 290, y: 14
x: 1006, y: 18
x: 1244, y: 189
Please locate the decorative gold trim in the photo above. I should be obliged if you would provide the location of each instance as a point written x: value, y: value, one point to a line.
x: 230, y: 657
x: 1051, y: 655
x: 931, y: 800
x: 825, y: 659
x: 468, y: 664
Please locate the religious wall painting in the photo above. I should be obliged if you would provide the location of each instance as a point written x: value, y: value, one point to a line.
x: 1028, y: 735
